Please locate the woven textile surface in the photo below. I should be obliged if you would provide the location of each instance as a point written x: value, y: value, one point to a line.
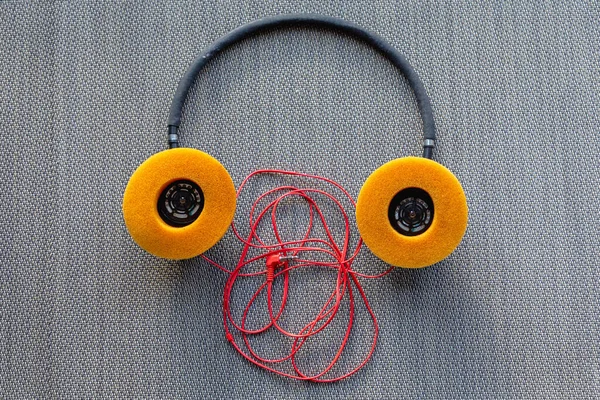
x: 85, y: 93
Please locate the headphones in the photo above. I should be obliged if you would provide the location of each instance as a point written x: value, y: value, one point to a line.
x: 411, y: 212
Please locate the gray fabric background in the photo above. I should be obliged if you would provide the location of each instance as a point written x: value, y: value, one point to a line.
x: 85, y: 91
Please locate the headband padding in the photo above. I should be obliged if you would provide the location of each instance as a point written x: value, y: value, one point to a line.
x: 146, y: 184
x: 449, y: 220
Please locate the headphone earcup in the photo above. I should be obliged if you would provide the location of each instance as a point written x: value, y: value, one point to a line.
x: 179, y: 203
x: 412, y: 212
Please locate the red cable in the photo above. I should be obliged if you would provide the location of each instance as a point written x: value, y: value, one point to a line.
x: 276, y: 257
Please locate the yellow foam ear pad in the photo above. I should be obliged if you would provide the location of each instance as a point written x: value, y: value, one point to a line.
x: 140, y: 203
x: 449, y: 217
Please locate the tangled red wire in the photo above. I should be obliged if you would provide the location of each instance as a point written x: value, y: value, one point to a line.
x: 277, y: 257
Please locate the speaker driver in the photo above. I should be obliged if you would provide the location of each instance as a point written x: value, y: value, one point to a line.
x: 411, y: 211
x: 180, y: 203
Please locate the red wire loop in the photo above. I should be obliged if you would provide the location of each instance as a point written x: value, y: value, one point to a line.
x: 281, y: 258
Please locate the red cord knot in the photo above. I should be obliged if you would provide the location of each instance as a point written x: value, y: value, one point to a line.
x: 317, y: 240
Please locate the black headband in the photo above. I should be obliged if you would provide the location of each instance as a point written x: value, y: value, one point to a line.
x: 280, y: 21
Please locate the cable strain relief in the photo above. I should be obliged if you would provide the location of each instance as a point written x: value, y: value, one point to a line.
x: 428, y: 145
x: 173, y: 136
x: 270, y: 273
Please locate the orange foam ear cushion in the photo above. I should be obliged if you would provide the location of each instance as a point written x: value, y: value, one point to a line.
x: 141, y: 196
x: 449, y: 219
